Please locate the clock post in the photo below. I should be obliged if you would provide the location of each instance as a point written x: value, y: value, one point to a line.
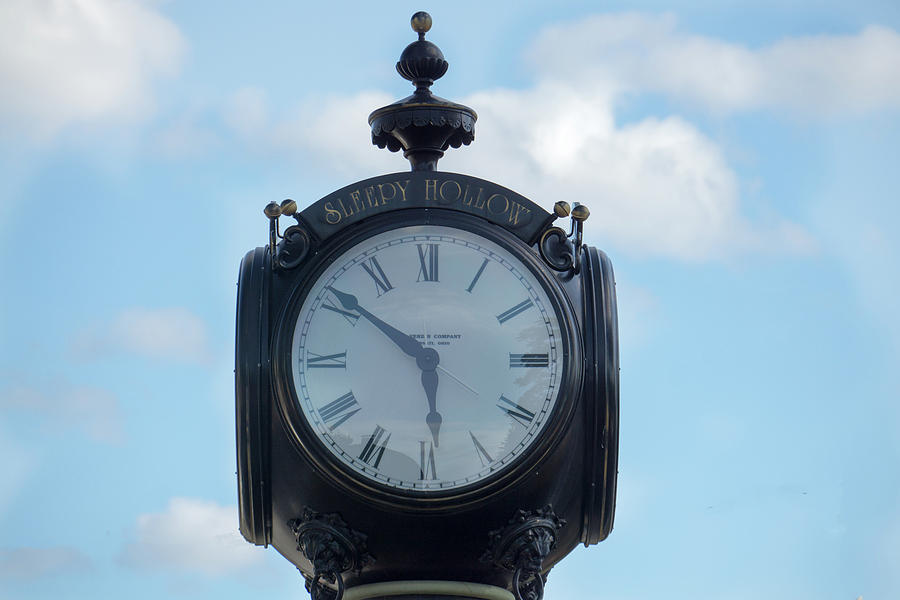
x: 426, y: 381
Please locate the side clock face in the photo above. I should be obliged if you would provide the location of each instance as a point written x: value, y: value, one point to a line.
x: 427, y: 358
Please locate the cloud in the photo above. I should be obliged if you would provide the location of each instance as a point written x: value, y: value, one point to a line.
x: 632, y: 52
x: 174, y: 334
x: 61, y: 404
x: 659, y: 187
x: 329, y: 131
x: 37, y: 563
x: 192, y: 535
x: 80, y: 61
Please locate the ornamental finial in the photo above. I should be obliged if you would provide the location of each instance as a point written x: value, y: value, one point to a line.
x: 423, y: 125
x: 421, y: 23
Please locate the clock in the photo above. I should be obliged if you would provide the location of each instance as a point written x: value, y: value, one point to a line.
x: 426, y: 360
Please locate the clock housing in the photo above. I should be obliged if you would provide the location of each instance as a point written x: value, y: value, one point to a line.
x: 415, y: 481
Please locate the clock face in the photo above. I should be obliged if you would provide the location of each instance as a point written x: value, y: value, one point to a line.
x: 427, y: 358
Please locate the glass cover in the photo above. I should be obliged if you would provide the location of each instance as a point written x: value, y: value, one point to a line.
x: 427, y: 358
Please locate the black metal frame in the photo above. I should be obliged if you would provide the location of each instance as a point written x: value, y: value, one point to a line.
x: 601, y: 396
x: 252, y: 397
x: 315, y: 452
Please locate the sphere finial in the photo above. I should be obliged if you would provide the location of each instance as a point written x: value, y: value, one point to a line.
x: 421, y: 23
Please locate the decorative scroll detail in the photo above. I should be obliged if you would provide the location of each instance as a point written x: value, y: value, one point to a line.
x: 293, y: 248
x: 332, y: 547
x: 522, y: 546
x: 556, y: 250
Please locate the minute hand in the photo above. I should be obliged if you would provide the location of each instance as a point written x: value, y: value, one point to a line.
x: 407, y: 343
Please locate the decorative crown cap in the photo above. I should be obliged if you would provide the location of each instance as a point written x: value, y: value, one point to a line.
x: 423, y: 124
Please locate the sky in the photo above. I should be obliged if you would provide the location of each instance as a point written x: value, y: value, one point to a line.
x: 740, y: 163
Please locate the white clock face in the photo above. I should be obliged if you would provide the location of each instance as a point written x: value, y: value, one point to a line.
x: 427, y: 358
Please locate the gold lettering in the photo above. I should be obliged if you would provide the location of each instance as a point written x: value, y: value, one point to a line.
x: 514, y: 212
x: 332, y: 217
x: 469, y: 198
x: 493, y: 207
x: 430, y: 190
x: 344, y: 208
x: 444, y: 197
x: 403, y: 188
x: 479, y: 202
x: 371, y: 198
x: 357, y: 203
x: 385, y: 199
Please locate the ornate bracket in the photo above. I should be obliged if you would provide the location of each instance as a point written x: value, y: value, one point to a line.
x: 295, y: 242
x: 555, y: 246
x: 522, y: 546
x: 332, y: 547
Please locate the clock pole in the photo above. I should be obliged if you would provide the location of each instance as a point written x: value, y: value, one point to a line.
x: 427, y: 375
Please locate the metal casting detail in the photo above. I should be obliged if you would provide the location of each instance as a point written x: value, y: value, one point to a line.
x: 522, y: 546
x: 558, y: 252
x: 293, y: 247
x: 423, y: 125
x: 295, y: 242
x: 332, y: 547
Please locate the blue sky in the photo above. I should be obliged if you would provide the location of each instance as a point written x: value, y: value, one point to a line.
x: 740, y: 163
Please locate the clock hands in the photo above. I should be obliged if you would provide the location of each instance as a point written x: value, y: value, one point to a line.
x: 427, y: 359
x: 430, y: 382
x: 457, y: 380
x: 407, y: 343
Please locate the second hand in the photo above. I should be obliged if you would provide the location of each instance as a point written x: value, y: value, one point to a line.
x: 442, y: 369
x: 456, y: 379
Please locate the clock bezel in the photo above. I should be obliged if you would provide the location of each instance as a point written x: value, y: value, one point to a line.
x: 305, y: 439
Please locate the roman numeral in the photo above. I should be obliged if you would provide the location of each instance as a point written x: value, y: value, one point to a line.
x: 329, y: 304
x: 483, y: 456
x: 529, y: 360
x: 374, y: 449
x: 522, y: 415
x: 515, y: 310
x: 339, y: 410
x: 327, y: 361
x: 426, y: 461
x: 477, y: 275
x: 428, y: 262
x: 382, y: 284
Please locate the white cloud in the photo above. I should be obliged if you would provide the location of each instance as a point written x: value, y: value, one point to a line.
x: 194, y: 536
x: 174, y: 334
x: 38, y: 563
x: 75, y: 61
x: 61, y: 404
x: 823, y: 74
x: 327, y: 131
x: 657, y: 186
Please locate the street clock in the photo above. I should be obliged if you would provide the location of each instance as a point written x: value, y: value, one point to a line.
x: 426, y: 375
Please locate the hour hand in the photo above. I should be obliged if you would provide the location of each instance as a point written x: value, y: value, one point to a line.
x: 408, y: 344
x: 433, y: 418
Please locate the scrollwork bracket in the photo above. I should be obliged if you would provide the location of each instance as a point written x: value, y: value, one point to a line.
x: 332, y: 547
x: 521, y: 546
x: 561, y: 251
x: 295, y: 243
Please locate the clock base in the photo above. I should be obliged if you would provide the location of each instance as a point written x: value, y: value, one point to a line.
x: 427, y: 590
